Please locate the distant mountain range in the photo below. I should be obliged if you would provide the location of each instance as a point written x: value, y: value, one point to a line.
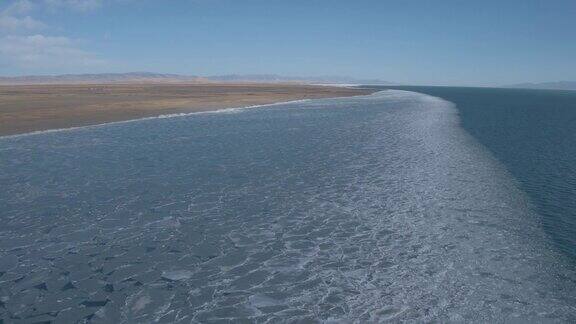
x: 149, y: 77
x: 133, y: 77
x: 558, y: 85
x: 274, y: 78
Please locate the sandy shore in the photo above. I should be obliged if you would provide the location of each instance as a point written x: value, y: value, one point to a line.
x: 28, y: 108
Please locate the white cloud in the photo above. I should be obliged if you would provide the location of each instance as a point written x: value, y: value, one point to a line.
x: 22, y: 47
x: 39, y: 51
x: 14, y: 18
x: 19, y: 7
x: 11, y: 23
x: 78, y: 5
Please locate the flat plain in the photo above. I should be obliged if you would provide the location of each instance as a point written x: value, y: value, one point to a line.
x: 28, y: 108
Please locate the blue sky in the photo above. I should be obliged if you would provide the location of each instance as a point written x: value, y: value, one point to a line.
x: 417, y: 42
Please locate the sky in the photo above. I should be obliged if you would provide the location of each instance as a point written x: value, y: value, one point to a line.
x: 433, y: 42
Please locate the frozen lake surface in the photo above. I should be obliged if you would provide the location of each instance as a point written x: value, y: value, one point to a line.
x: 361, y: 209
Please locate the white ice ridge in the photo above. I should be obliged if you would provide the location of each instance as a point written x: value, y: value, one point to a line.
x: 420, y: 223
x: 343, y: 85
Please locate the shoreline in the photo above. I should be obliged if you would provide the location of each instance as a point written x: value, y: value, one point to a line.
x: 31, y: 109
x: 174, y: 115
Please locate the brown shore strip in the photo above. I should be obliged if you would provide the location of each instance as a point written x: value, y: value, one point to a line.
x: 28, y: 108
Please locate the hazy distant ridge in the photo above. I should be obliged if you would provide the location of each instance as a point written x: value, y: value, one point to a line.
x: 280, y: 78
x: 558, y: 85
x: 149, y: 77
x: 100, y: 78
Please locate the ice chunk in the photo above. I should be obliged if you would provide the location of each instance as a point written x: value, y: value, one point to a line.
x: 176, y: 275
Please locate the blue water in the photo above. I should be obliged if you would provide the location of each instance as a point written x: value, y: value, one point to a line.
x: 533, y: 133
x: 365, y: 209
